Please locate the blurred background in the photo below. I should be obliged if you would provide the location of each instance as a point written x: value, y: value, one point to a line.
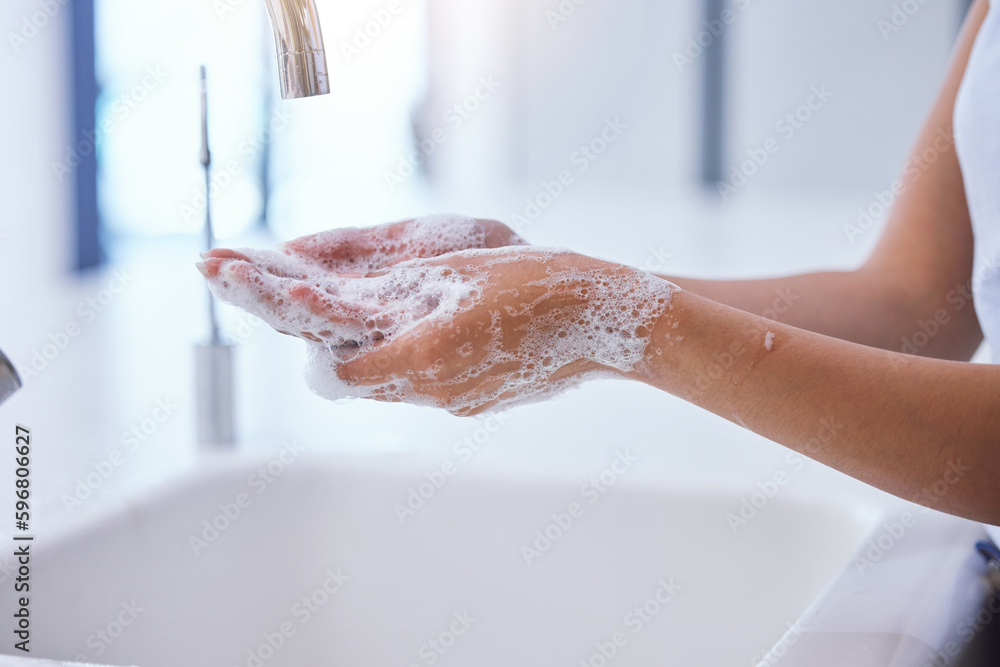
x: 700, y: 137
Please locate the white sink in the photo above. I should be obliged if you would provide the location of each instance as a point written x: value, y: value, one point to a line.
x: 451, y: 586
x: 406, y: 583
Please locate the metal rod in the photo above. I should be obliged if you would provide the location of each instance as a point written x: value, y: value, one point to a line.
x: 206, y: 163
x: 713, y: 102
x: 214, y: 361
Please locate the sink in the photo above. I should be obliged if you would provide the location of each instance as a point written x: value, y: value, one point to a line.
x: 318, y: 560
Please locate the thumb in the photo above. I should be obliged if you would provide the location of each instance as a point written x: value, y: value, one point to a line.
x: 378, y: 364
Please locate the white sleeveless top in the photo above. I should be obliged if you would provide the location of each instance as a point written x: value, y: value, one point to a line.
x: 977, y: 141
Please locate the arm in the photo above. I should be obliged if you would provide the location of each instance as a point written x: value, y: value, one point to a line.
x: 923, y: 258
x: 923, y: 429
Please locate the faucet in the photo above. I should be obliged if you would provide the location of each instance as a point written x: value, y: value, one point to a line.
x: 9, y: 381
x: 298, y: 43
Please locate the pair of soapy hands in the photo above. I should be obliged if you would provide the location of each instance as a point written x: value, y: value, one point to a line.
x: 514, y: 289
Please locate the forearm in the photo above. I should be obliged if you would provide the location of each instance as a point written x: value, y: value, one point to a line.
x: 857, y: 306
x: 808, y: 301
x: 897, y: 422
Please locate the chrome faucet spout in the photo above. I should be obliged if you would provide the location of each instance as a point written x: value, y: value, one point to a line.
x: 9, y: 380
x: 298, y: 43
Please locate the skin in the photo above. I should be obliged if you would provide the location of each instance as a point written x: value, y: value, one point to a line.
x: 824, y: 377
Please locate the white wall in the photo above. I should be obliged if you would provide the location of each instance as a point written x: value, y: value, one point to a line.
x: 883, y: 85
x: 616, y: 57
x: 34, y: 132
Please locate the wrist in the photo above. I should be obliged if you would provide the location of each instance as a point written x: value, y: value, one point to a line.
x: 702, y: 351
x: 661, y: 364
x: 626, y: 320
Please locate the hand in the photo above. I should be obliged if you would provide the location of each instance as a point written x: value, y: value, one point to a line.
x: 364, y: 249
x: 306, y: 270
x: 467, y: 331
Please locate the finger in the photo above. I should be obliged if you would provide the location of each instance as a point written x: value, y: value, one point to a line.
x: 354, y: 249
x: 209, y: 267
x: 288, y: 305
x: 357, y: 249
x: 377, y: 364
x: 269, y: 261
x: 434, y: 235
x: 499, y: 235
x: 469, y: 396
x: 474, y: 410
x: 224, y: 253
x: 324, y: 305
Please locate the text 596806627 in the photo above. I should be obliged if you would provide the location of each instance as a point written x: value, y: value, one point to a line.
x: 22, y: 541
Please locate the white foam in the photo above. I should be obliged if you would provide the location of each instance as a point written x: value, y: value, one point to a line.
x: 429, y: 236
x: 769, y: 341
x: 340, y: 311
x: 556, y: 315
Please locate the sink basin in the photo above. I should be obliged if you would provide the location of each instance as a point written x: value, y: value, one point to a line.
x: 322, y: 565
